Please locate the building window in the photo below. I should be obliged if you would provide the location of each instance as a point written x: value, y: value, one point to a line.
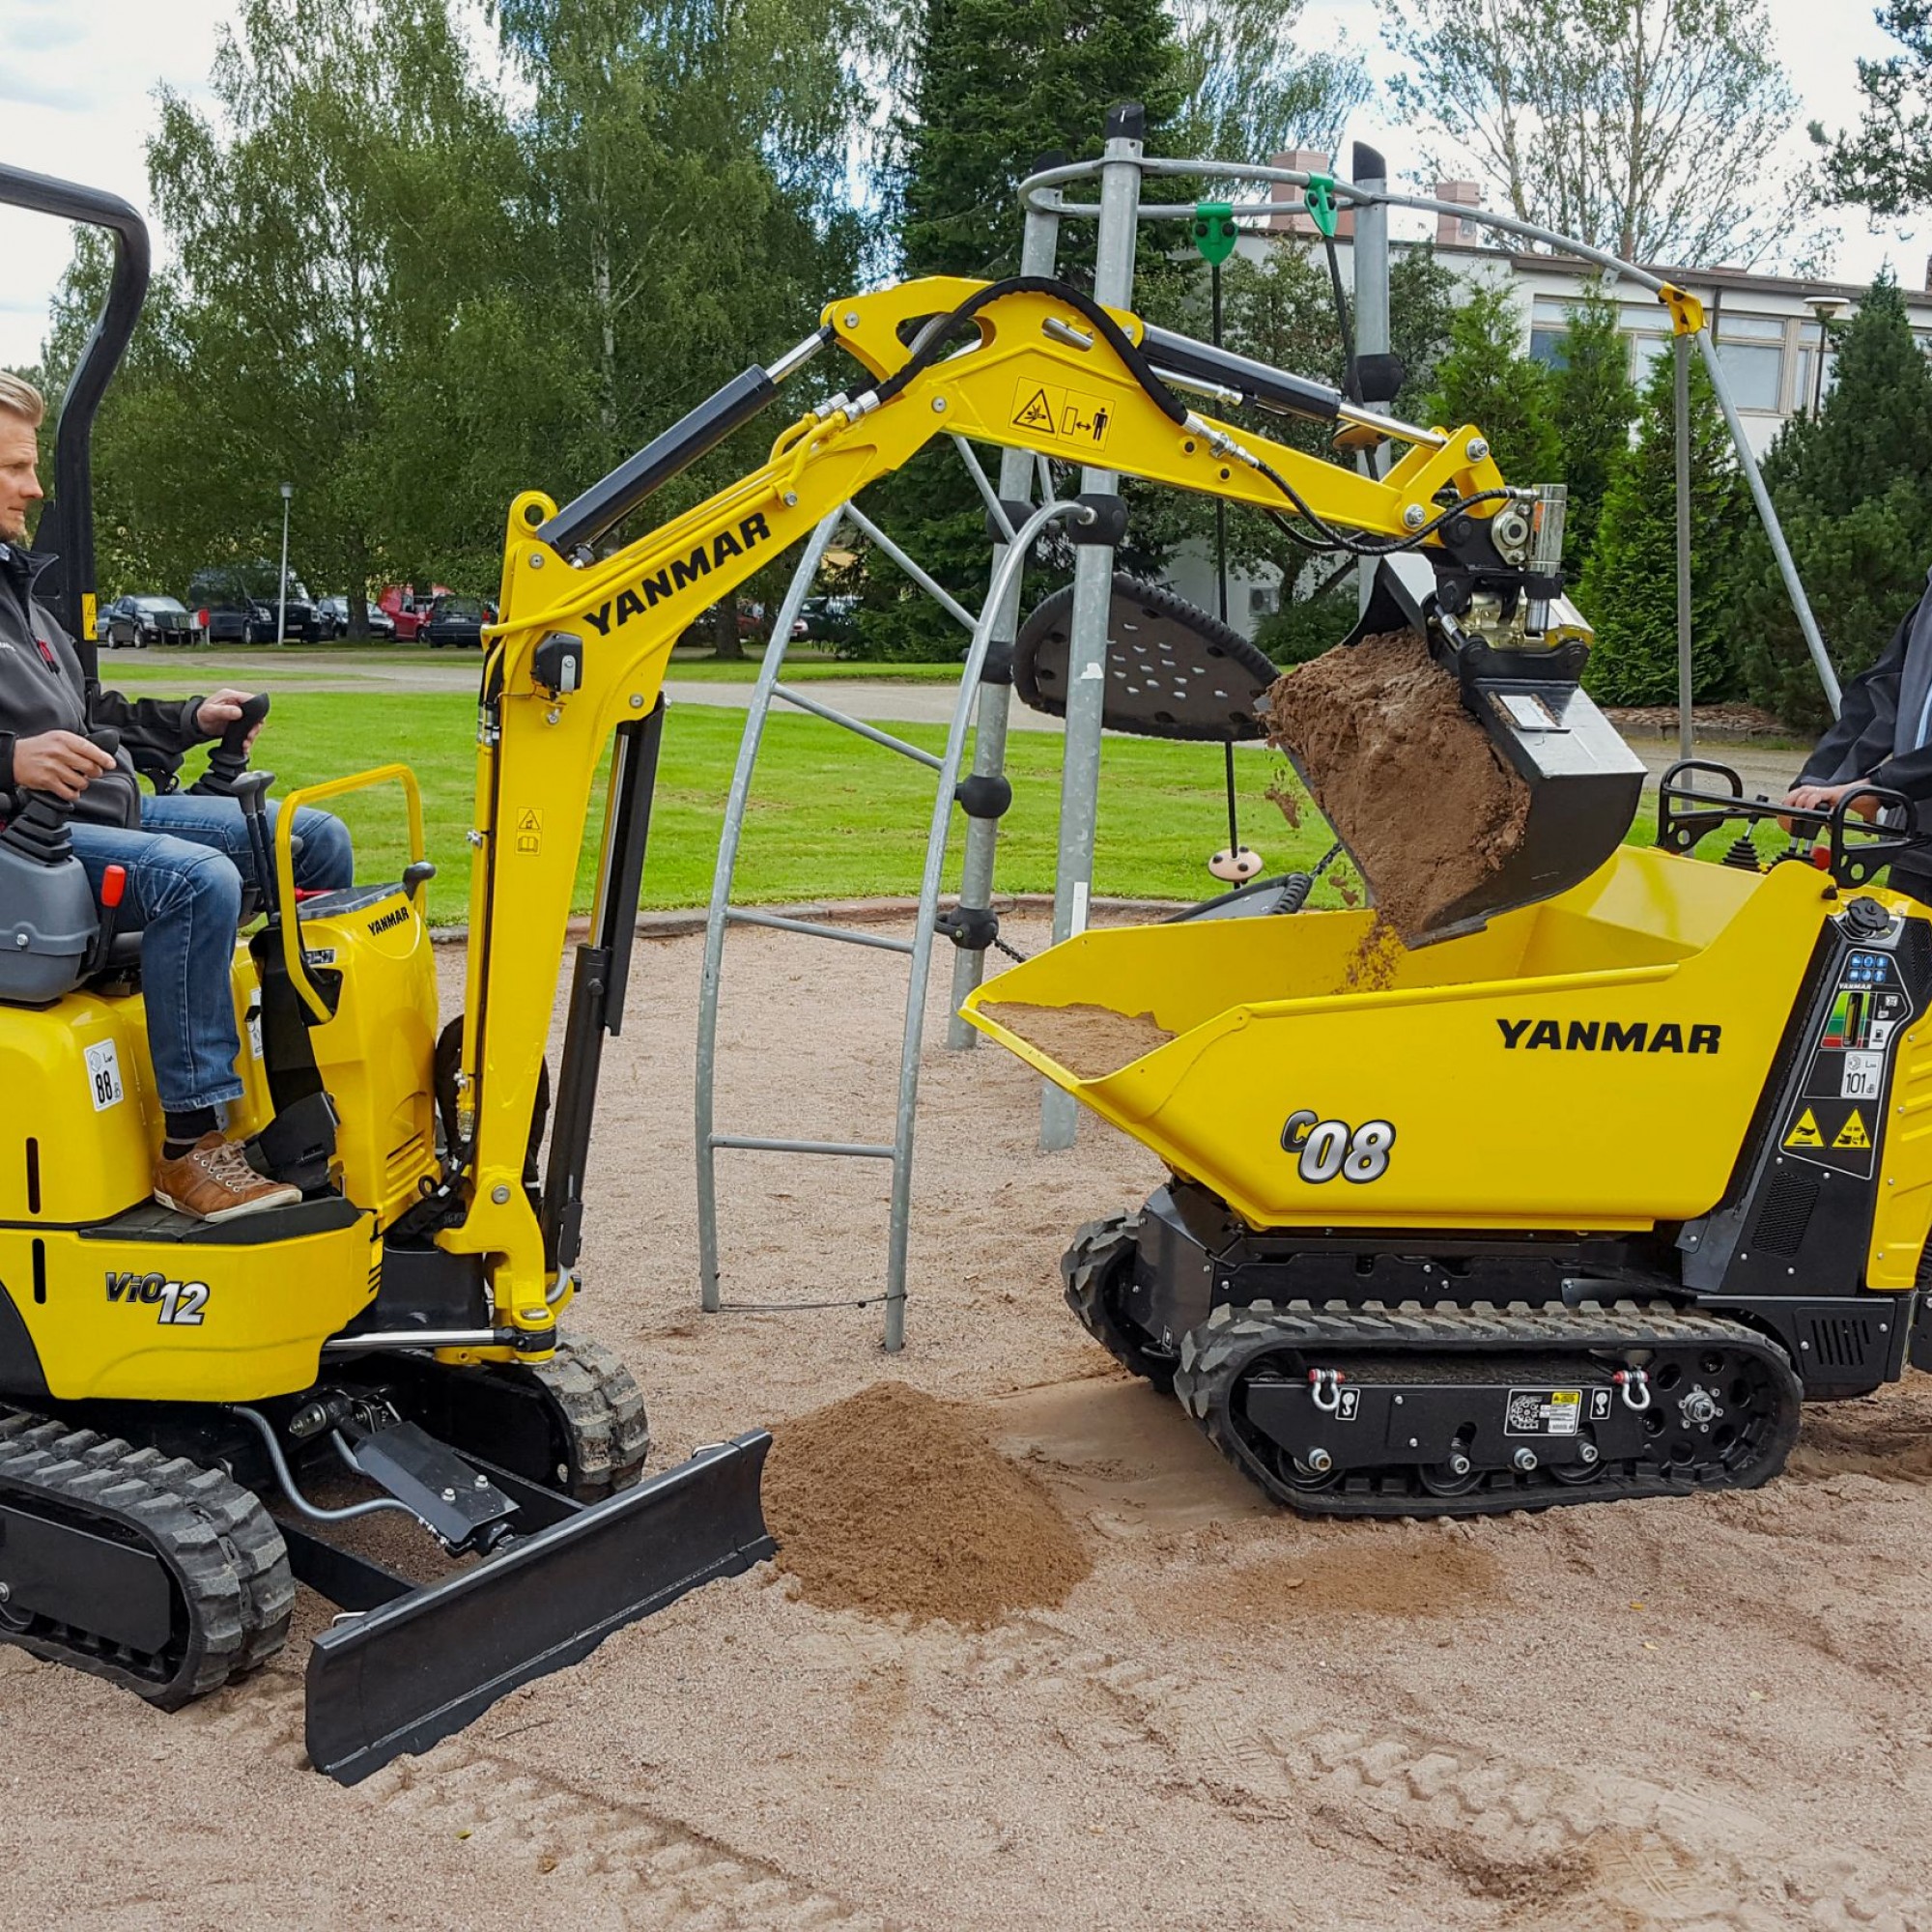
x: 1752, y: 350
x: 1807, y: 389
x: 1648, y: 327
x: 1549, y: 328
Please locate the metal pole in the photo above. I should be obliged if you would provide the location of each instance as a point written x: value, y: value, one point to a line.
x: 1680, y: 347
x: 1039, y: 246
x: 720, y: 898
x: 899, y: 1226
x: 282, y: 605
x: 1372, y: 304
x: 1787, y: 567
x: 1093, y: 595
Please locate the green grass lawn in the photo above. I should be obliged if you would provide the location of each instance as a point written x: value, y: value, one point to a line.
x: 831, y: 818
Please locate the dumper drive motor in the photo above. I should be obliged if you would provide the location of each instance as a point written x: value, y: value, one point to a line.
x: 1578, y: 1206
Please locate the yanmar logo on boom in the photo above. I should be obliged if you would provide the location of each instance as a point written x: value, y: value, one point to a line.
x: 1610, y: 1036
x: 680, y: 574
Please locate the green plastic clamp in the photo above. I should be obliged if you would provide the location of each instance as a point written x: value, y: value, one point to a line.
x: 1214, y: 230
x: 1318, y: 198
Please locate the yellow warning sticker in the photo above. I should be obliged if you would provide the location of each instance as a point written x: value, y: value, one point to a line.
x: 1045, y: 408
x: 1853, y: 1133
x: 1805, y: 1134
x: 529, y: 830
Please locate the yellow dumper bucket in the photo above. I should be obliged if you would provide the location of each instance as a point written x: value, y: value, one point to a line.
x: 1591, y: 1062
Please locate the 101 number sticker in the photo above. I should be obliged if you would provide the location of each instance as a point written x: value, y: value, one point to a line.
x: 1325, y: 1148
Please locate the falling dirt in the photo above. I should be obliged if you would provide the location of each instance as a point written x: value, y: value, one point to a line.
x: 1378, y: 957
x: 897, y: 1503
x: 1283, y: 794
x: 1091, y: 1041
x: 1404, y: 773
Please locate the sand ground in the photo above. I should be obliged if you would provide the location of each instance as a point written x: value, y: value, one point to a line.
x: 1709, y: 1713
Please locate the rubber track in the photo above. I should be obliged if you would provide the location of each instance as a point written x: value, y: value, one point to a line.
x: 1214, y: 1355
x: 1099, y: 1249
x: 602, y: 1408
x: 221, y: 1545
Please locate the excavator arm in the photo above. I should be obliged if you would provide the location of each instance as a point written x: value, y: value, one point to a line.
x: 580, y: 654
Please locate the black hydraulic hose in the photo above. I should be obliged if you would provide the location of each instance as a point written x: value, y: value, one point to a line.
x: 1352, y: 380
x: 936, y: 341
x: 1335, y: 539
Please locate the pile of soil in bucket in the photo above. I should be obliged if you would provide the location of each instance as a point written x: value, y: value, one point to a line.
x: 1407, y: 777
x: 1088, y: 1041
x: 895, y: 1503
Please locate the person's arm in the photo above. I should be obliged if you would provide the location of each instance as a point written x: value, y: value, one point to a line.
x: 1862, y: 736
x: 165, y: 726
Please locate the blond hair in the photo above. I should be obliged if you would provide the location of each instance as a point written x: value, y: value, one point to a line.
x: 18, y: 397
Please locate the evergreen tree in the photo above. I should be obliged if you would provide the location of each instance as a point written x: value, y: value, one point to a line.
x: 1595, y: 403
x: 1629, y: 590
x: 1853, y: 494
x: 1886, y: 164
x: 1485, y: 379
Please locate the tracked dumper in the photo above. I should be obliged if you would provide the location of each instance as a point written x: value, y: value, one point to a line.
x: 1576, y: 1197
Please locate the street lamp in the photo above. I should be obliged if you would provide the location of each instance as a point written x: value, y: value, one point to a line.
x: 282, y: 604
x: 1824, y: 307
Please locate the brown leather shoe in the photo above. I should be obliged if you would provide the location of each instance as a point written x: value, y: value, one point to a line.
x: 212, y: 1181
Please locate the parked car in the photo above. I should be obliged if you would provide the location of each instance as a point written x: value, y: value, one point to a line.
x: 237, y: 604
x: 141, y: 621
x: 457, y: 620
x: 408, y: 608
x: 332, y: 614
x: 826, y: 620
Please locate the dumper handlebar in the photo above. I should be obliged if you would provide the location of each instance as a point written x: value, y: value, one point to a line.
x: 1858, y: 847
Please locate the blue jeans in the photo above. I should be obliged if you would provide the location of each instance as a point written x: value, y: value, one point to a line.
x: 184, y: 870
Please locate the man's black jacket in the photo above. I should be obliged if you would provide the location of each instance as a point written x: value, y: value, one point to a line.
x: 1884, y: 731
x: 43, y: 688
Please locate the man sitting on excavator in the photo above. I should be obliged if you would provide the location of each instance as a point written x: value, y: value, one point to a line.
x: 185, y: 857
x: 1882, y: 735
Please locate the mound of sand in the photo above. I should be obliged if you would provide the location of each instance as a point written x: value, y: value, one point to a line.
x: 1089, y: 1040
x: 893, y: 1502
x: 1407, y: 777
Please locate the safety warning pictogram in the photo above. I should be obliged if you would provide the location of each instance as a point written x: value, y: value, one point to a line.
x: 1805, y: 1134
x: 1036, y: 413
x: 1853, y: 1133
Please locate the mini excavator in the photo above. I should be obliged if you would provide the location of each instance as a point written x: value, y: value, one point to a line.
x: 184, y: 1407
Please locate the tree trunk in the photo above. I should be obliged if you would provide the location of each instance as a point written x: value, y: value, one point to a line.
x: 725, y: 632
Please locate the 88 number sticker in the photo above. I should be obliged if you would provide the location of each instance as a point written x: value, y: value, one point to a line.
x: 1325, y: 1148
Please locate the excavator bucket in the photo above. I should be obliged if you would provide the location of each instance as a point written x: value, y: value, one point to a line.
x: 408, y: 1666
x: 1580, y: 781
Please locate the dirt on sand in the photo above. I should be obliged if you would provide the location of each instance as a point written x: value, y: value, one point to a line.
x: 895, y: 1503
x: 1091, y: 1041
x: 1407, y: 777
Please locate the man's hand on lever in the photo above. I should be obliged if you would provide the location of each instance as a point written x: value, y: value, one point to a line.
x: 1823, y: 798
x: 61, y: 762
x: 220, y: 711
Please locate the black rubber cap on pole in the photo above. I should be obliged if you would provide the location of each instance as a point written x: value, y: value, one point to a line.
x: 1126, y: 121
x: 1366, y: 163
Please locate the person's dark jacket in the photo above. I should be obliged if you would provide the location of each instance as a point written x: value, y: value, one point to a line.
x: 1884, y: 731
x: 43, y: 687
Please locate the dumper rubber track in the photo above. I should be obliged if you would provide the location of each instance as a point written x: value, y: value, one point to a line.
x: 226, y: 1559
x: 1096, y: 1268
x: 1484, y: 1347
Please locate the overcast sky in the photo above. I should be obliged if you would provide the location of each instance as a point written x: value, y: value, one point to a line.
x: 77, y: 80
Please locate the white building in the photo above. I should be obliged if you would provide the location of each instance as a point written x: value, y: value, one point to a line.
x: 1766, y: 328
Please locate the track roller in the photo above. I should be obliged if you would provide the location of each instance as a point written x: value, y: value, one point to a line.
x: 1098, y: 1270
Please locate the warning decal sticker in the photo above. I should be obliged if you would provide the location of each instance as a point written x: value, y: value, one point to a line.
x: 1045, y: 408
x: 1543, y: 1412
x: 529, y: 831
x: 1836, y: 1119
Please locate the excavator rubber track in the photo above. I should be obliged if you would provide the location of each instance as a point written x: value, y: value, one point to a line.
x: 150, y: 1571
x: 1413, y: 1411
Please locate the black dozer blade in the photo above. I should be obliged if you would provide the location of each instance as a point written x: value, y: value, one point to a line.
x: 403, y: 1677
x: 1584, y: 782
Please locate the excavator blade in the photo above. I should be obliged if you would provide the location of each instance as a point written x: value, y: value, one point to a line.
x: 403, y: 1675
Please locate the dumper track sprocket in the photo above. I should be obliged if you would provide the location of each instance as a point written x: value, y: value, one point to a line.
x: 1097, y: 1269
x: 226, y: 1564
x: 1720, y: 1402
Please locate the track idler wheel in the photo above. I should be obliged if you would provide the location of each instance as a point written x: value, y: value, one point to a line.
x: 1098, y: 1270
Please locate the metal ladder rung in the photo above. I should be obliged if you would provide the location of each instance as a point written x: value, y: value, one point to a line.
x: 812, y: 929
x: 831, y: 715
x: 763, y: 1143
